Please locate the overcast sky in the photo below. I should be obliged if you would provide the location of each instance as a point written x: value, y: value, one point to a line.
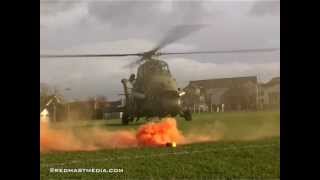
x: 103, y: 26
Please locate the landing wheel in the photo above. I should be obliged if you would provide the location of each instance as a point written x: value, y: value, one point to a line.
x: 125, y: 118
x: 187, y: 115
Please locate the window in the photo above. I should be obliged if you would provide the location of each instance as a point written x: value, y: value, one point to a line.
x: 159, y: 67
x: 164, y: 67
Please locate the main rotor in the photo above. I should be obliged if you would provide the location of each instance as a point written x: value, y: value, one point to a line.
x: 175, y: 34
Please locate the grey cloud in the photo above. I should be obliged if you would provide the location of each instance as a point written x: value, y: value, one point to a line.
x: 147, y: 13
x: 263, y: 7
x: 51, y: 7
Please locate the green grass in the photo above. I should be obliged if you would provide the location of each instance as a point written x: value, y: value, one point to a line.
x: 250, y: 148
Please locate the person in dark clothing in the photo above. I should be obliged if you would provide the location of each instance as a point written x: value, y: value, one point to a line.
x: 132, y: 77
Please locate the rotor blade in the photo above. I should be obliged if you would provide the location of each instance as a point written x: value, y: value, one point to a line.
x: 177, y: 33
x: 87, y: 55
x: 133, y: 63
x: 222, y: 51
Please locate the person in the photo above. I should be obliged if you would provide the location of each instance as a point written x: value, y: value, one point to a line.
x: 222, y: 108
x: 132, y: 78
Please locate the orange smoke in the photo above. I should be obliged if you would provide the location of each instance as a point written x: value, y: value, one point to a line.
x: 52, y: 139
x: 67, y: 139
x: 158, y: 134
x: 149, y: 135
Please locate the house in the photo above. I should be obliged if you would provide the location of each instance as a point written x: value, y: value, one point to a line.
x: 236, y: 93
x: 269, y: 94
x: 113, y: 111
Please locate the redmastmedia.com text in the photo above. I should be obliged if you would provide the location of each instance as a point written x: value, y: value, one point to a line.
x: 85, y: 170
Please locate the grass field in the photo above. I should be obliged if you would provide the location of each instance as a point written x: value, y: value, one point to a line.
x: 250, y: 148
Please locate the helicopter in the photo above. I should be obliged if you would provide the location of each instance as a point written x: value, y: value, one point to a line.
x: 153, y: 91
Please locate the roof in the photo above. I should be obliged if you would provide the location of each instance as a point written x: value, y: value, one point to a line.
x: 272, y: 82
x: 115, y: 103
x: 223, y: 82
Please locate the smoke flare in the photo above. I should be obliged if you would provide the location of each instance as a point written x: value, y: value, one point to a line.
x: 158, y: 134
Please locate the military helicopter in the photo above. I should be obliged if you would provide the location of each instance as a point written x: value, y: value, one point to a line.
x: 153, y: 92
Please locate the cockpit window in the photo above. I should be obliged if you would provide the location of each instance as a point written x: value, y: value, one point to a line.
x: 158, y: 67
x: 163, y: 67
x: 155, y: 67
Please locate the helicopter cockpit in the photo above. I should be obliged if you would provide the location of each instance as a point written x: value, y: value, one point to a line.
x: 154, y: 67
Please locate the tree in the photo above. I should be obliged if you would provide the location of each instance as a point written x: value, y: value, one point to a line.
x: 52, y: 95
x: 45, y: 93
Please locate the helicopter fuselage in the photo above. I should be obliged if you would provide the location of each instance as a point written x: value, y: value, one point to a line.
x: 154, y: 92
